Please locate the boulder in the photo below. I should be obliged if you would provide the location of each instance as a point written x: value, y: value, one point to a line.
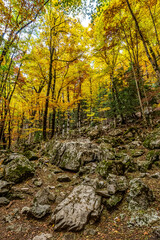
x: 143, y: 218
x: 113, y: 201
x: 72, y: 155
x: 75, y: 211
x: 152, y: 141
x: 38, y: 211
x: 30, y: 155
x: 18, y: 169
x: 105, y: 167
x: 63, y: 178
x: 3, y: 201
x: 5, y: 187
x: 139, y: 196
x: 44, y: 197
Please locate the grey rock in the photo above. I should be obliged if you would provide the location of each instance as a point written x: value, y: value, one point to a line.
x: 144, y: 218
x: 113, y: 201
x: 4, y: 201
x: 152, y: 141
x: 5, y: 187
x: 63, y: 178
x: 37, y: 182
x: 139, y: 196
x: 74, y: 154
x: 44, y: 196
x: 116, y: 183
x: 43, y: 236
x: 143, y: 166
x: 39, y: 211
x: 18, y: 169
x: 69, y: 236
x: 156, y: 231
x: 74, y: 212
x: 103, y: 193
x: 155, y: 175
x: 25, y: 210
x: 90, y: 231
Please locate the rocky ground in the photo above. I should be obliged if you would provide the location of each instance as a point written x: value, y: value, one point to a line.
x: 105, y: 184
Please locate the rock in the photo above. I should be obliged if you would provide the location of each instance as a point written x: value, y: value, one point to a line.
x: 30, y: 155
x: 39, y: 211
x: 90, y: 231
x: 152, y: 141
x: 69, y: 236
x: 63, y: 178
x: 75, y: 211
x: 143, y: 218
x: 5, y: 187
x: 25, y: 210
x: 143, y: 166
x: 119, y: 182
x: 3, y: 201
x: 103, y: 193
x: 137, y: 153
x: 74, y: 154
x: 18, y: 169
x: 116, y: 133
x: 43, y: 236
x: 37, y: 182
x: 90, y: 168
x: 113, y: 201
x: 155, y: 175
x: 106, y: 167
x: 44, y: 196
x: 156, y: 231
x: 94, y: 133
x: 139, y: 196
x: 153, y: 156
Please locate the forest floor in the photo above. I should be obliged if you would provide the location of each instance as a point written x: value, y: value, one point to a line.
x: 112, y: 225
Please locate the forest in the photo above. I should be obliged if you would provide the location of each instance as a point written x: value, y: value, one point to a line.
x: 57, y: 75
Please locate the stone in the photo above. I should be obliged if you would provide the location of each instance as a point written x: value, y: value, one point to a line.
x: 143, y: 218
x: 156, y: 231
x: 69, y: 236
x: 63, y: 178
x: 137, y: 153
x: 39, y: 211
x: 44, y: 196
x: 77, y: 209
x: 139, y: 196
x: 113, y: 201
x: 91, y: 232
x: 37, y: 182
x: 30, y: 155
x: 120, y: 182
x: 105, y: 167
x: 5, y: 187
x: 71, y: 155
x: 152, y: 141
x: 155, y: 175
x: 103, y: 193
x: 19, y: 169
x: 143, y: 166
x: 4, y: 201
x: 43, y: 236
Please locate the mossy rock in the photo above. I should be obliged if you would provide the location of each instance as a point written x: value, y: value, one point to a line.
x: 113, y: 201
x: 152, y: 141
x: 106, y: 167
x: 18, y: 169
x: 30, y: 155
